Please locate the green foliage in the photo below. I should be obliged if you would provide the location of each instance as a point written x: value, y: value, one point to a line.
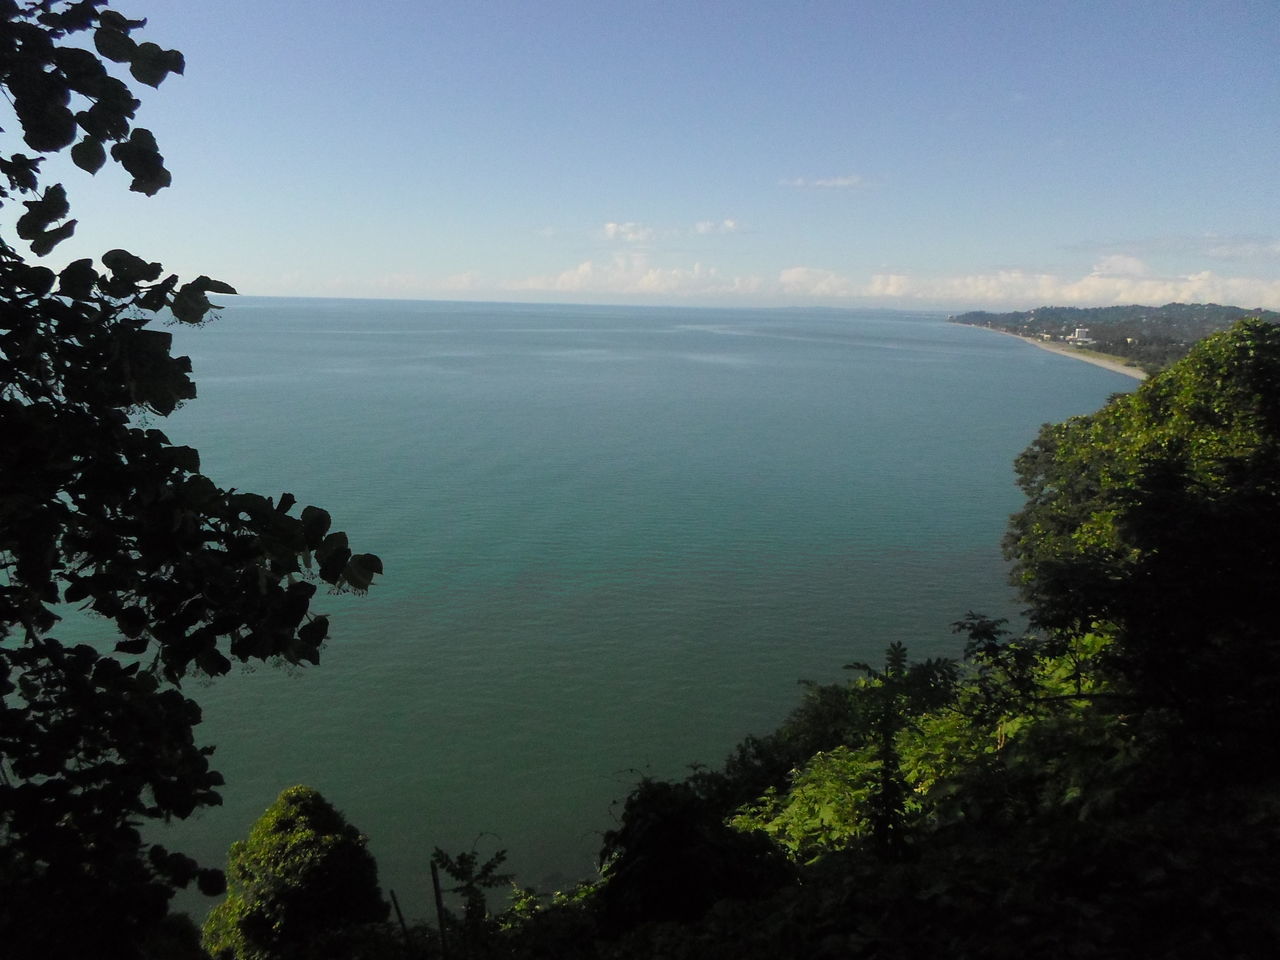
x: 858, y: 791
x: 301, y: 886
x: 99, y: 510
x: 672, y: 857
x: 477, y: 928
x: 1158, y: 517
x: 826, y: 717
x: 827, y: 806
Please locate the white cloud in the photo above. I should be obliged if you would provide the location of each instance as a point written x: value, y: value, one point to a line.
x: 1120, y: 265
x: 1117, y: 279
x: 849, y: 180
x: 1189, y: 249
x: 1001, y: 286
x: 633, y: 274
x: 1244, y: 248
x: 629, y: 232
x: 458, y: 282
x: 717, y: 226
x: 889, y: 285
x: 813, y: 282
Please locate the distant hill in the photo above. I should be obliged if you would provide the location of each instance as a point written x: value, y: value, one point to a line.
x: 1151, y: 337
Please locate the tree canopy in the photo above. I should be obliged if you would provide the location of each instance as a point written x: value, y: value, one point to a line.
x: 300, y: 881
x: 100, y: 509
x: 1157, y: 518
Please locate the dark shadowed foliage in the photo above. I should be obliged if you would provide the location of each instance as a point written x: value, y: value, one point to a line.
x: 99, y: 509
x: 1158, y: 518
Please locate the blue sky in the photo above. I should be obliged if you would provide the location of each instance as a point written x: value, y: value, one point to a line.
x: 902, y: 154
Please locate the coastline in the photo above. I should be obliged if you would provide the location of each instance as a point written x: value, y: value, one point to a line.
x: 1098, y: 360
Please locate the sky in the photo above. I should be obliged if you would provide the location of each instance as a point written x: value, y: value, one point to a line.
x: 908, y: 154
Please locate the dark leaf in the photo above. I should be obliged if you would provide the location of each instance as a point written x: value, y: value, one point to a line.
x: 21, y: 172
x: 47, y: 126
x: 102, y: 123
x: 331, y: 544
x: 309, y: 654
x: 212, y: 883
x: 186, y: 459
x: 333, y: 556
x: 134, y: 646
x: 75, y: 591
x: 141, y: 157
x: 212, y: 662
x: 190, y: 305
x: 131, y: 621
x: 37, y: 280
x: 313, y: 633
x: 200, y: 490
x: 315, y: 524
x: 360, y: 571
x: 51, y: 238
x: 82, y: 69
x: 114, y: 44
x: 50, y: 208
x: 118, y: 21
x: 150, y: 64
x: 125, y: 266
x: 253, y: 505
x: 89, y: 154
x: 157, y: 297
x: 116, y: 97
x: 180, y: 869
x: 212, y: 286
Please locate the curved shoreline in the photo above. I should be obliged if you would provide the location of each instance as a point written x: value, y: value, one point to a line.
x: 1115, y: 366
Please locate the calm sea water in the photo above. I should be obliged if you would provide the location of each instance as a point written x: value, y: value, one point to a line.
x: 614, y: 538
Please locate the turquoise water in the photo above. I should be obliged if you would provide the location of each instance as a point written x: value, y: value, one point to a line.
x: 614, y: 539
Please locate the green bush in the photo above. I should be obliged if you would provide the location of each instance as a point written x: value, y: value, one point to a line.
x: 300, y: 886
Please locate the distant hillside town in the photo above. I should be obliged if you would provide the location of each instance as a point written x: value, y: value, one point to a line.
x: 1147, y: 337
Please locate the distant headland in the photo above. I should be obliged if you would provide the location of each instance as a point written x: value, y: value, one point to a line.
x: 1135, y: 340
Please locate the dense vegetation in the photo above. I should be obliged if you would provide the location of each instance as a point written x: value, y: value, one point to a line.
x: 299, y: 884
x: 1148, y: 337
x: 1095, y: 787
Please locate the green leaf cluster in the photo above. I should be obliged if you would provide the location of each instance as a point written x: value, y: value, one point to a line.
x: 300, y: 886
x: 1158, y: 516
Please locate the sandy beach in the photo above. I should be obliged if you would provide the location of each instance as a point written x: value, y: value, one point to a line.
x: 1117, y: 366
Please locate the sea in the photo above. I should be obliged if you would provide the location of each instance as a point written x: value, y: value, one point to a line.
x: 615, y: 540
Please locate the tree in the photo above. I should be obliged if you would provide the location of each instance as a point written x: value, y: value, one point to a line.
x: 857, y: 792
x: 1156, y: 519
x: 302, y: 879
x: 673, y: 856
x: 99, y: 509
x: 477, y: 927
